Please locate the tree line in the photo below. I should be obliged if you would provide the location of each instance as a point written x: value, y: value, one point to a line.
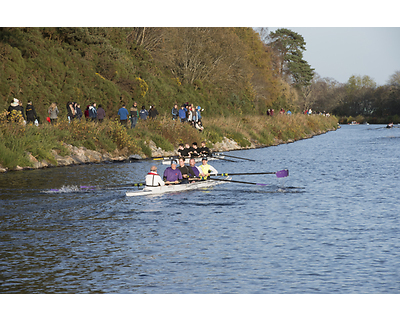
x: 358, y: 97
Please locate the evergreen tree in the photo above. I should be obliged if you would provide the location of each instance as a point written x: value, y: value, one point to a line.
x: 289, y: 46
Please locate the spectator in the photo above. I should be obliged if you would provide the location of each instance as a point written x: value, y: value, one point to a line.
x: 123, y: 115
x: 182, y: 114
x: 194, y: 114
x: 134, y: 115
x: 31, y: 115
x: 153, y: 112
x: 93, y: 112
x: 143, y: 113
x: 78, y: 111
x: 101, y: 113
x: 17, y: 108
x: 87, y: 113
x: 199, y: 126
x: 175, y: 112
x: 198, y: 113
x: 189, y: 114
x: 53, y: 113
x: 70, y: 111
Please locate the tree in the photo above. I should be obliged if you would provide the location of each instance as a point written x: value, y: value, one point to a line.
x: 394, y: 79
x: 289, y: 47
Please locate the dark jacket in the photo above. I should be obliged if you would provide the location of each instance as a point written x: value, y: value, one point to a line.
x: 101, y: 113
x: 153, y: 113
x: 30, y: 113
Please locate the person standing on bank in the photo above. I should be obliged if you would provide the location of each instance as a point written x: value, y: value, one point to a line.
x: 53, y: 113
x: 123, y: 115
x: 134, y: 115
x: 175, y: 112
x: 153, y: 112
x: 153, y: 179
x: 101, y: 113
x: 30, y: 113
x: 93, y: 112
x: 143, y: 113
x: 78, y: 111
x: 182, y: 114
x: 16, y: 106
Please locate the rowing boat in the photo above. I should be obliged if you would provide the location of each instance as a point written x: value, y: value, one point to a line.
x: 168, y: 161
x: 176, y: 187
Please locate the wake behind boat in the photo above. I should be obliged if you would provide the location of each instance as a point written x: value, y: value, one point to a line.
x: 176, y: 187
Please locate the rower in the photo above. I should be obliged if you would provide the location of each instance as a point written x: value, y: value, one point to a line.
x: 182, y: 152
x: 172, y: 174
x: 194, y: 151
x: 185, y: 170
x: 196, y: 171
x: 153, y: 179
x: 206, y: 169
x: 204, y: 150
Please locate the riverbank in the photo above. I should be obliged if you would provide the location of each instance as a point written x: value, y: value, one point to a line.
x: 84, y: 143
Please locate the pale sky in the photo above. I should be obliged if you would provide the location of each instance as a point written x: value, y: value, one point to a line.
x: 340, y: 52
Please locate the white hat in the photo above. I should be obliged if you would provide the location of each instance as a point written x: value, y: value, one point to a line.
x: 15, y: 103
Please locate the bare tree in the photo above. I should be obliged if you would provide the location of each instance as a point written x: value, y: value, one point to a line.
x: 147, y: 37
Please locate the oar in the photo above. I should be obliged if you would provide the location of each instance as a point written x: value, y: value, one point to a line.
x: 165, y: 158
x: 214, y: 156
x: 245, y: 182
x: 225, y: 155
x: 279, y: 174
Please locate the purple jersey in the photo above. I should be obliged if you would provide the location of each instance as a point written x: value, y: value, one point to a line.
x: 196, y: 171
x: 172, y: 175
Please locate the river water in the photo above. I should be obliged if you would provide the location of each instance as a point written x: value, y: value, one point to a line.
x: 332, y: 226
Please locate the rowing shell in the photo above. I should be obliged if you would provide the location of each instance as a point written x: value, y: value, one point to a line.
x: 176, y: 187
x: 167, y: 162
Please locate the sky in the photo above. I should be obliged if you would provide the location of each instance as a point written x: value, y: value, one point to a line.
x: 340, y: 52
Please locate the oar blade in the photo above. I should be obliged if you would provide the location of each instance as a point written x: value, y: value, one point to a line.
x: 282, y: 173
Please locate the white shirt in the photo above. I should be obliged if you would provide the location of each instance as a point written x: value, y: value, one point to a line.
x: 154, y: 180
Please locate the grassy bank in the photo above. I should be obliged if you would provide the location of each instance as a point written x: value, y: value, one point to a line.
x: 18, y: 141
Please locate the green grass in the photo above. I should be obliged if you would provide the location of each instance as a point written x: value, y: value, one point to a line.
x: 17, y: 140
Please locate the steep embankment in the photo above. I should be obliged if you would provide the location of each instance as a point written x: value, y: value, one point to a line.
x: 50, y: 146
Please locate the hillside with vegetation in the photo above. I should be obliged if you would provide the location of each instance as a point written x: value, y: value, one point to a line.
x: 227, y: 71
x: 234, y: 74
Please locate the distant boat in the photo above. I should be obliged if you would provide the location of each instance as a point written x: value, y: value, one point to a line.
x: 354, y: 122
x: 390, y: 125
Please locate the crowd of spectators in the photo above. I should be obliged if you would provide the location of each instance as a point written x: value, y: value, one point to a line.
x: 186, y: 114
x: 189, y: 114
